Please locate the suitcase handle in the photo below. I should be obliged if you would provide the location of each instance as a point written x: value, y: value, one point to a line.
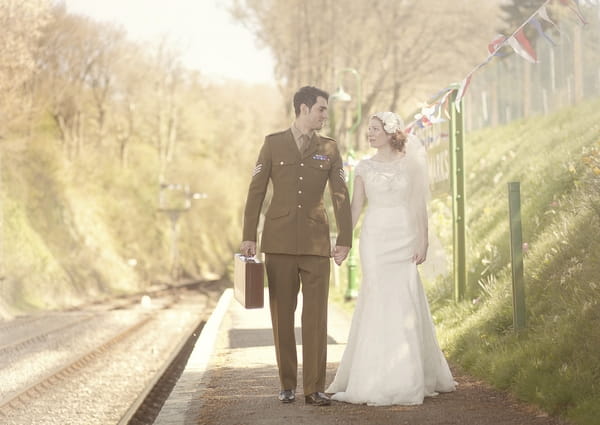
x: 249, y: 259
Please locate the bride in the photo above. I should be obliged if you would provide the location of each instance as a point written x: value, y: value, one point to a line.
x: 392, y: 355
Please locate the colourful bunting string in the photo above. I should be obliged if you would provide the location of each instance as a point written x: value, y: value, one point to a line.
x: 518, y: 41
x: 520, y: 44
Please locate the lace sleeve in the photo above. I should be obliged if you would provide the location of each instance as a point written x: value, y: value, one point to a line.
x: 359, y: 170
x: 416, y: 158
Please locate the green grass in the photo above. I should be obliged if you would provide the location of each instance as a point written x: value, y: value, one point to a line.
x: 58, y: 248
x: 554, y: 363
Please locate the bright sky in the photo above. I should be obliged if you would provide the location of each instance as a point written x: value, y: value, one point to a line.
x: 212, y: 42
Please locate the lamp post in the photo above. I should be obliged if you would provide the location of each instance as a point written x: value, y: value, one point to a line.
x: 174, y: 200
x: 341, y: 96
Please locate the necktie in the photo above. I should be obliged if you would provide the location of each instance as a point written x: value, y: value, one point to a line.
x: 304, y: 140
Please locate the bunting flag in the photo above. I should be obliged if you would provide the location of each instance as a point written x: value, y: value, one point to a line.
x: 543, y: 13
x: 574, y: 6
x: 443, y: 92
x: 445, y: 98
x: 428, y: 111
x: 433, y: 111
x: 445, y: 103
x: 496, y: 44
x: 538, y: 26
x: 436, y: 117
x: 442, y: 107
x: 522, y: 46
x: 431, y: 114
x: 419, y: 120
x: 462, y: 90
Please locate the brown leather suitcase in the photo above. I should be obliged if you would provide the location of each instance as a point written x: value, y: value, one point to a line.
x: 248, y: 281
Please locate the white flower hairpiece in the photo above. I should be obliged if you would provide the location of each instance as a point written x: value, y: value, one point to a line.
x: 391, y: 122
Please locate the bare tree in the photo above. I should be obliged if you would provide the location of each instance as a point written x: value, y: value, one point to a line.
x: 21, y: 22
x: 403, y: 50
x: 109, y: 44
x: 164, y: 101
x: 129, y: 89
x: 65, y: 58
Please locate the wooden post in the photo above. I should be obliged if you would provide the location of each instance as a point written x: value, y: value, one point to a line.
x: 516, y: 255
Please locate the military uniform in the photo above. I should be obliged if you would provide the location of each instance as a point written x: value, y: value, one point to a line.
x: 296, y: 242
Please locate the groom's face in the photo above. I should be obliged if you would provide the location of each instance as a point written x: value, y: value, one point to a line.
x: 317, y: 115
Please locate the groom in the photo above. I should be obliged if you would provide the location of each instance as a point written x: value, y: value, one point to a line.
x: 295, y: 239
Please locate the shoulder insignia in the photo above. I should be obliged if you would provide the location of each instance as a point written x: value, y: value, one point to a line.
x: 278, y: 133
x: 327, y: 139
x: 257, y: 169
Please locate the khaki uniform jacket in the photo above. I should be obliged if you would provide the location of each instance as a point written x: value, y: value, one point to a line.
x: 296, y: 222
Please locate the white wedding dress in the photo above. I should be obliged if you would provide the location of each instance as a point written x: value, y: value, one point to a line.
x: 392, y: 355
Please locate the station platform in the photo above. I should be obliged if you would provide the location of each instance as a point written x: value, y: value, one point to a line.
x: 231, y: 379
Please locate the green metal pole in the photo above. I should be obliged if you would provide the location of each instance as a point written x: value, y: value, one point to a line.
x: 516, y: 254
x: 358, y: 118
x: 457, y: 172
x: 351, y: 290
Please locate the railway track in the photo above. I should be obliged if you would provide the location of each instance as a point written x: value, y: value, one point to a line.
x: 40, y: 336
x: 18, y: 398
x: 121, y: 380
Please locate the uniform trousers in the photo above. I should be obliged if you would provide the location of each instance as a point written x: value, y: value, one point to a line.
x: 284, y: 274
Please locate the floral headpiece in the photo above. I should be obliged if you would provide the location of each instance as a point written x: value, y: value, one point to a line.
x: 391, y: 122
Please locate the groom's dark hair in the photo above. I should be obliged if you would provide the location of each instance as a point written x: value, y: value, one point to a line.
x: 308, y: 95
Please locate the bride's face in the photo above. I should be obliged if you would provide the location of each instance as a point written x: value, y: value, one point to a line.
x: 376, y: 135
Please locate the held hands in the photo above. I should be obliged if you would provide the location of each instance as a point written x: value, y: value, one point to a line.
x: 339, y: 254
x: 248, y: 248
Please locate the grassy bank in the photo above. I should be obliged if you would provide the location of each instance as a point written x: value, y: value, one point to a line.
x: 554, y: 363
x: 81, y: 228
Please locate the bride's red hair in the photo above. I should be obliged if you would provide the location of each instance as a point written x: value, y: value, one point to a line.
x: 398, y: 138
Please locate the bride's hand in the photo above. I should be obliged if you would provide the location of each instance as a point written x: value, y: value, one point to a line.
x: 420, y: 256
x: 340, y: 253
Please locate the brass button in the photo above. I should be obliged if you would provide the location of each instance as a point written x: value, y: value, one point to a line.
x: 302, y: 164
x: 321, y: 165
x: 299, y: 206
x: 299, y: 191
x: 281, y: 163
x: 301, y: 178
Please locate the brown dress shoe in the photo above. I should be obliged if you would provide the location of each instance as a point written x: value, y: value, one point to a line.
x: 287, y: 396
x: 317, y: 399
